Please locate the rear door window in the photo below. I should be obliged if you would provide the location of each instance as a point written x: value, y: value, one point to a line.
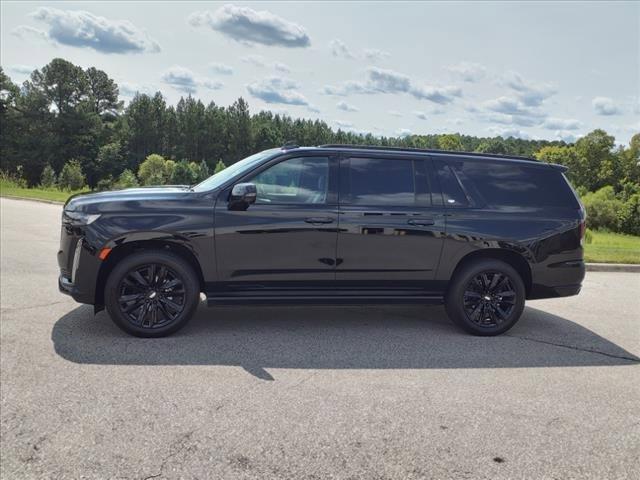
x: 384, y: 182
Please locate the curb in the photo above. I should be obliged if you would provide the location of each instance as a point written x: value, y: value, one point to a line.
x: 612, y: 267
x: 31, y: 199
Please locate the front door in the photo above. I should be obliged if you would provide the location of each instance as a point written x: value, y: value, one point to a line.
x: 287, y: 238
x: 390, y: 235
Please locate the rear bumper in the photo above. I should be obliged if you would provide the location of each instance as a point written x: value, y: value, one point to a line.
x: 561, y: 279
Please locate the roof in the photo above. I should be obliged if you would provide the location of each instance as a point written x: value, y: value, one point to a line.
x: 423, y: 151
x: 420, y: 151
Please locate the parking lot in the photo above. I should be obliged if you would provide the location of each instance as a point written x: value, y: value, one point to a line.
x: 311, y: 393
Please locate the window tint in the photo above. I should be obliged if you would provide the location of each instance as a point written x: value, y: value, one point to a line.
x: 378, y: 181
x: 501, y: 184
x: 297, y: 180
x: 452, y: 193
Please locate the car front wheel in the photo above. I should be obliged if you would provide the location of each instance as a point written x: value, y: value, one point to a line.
x: 486, y: 297
x: 152, y: 294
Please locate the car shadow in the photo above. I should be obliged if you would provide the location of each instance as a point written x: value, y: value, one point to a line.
x: 367, y: 337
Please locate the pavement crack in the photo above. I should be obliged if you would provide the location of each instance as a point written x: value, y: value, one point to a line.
x: 182, y: 442
x: 573, y: 347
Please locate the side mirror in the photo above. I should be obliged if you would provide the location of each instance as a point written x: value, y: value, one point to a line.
x: 242, y: 195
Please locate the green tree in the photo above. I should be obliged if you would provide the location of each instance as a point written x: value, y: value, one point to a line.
x: 629, y: 215
x: 202, y: 171
x: 153, y: 170
x: 595, y: 160
x: 183, y: 174
x: 48, y: 177
x: 602, y: 208
x: 450, y: 142
x: 219, y: 167
x: 71, y: 176
x: 127, y: 179
x: 492, y: 145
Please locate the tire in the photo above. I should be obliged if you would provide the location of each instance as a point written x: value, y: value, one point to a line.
x: 485, y: 297
x: 152, y: 294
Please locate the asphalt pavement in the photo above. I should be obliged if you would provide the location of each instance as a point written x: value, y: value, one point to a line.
x: 310, y: 392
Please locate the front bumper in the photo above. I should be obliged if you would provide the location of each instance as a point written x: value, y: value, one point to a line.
x: 79, y: 267
x: 68, y: 288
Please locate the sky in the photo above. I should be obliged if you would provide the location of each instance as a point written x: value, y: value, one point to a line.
x: 530, y: 70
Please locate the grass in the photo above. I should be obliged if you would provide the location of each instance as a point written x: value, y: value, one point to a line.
x: 599, y: 247
x: 607, y: 247
x: 12, y: 189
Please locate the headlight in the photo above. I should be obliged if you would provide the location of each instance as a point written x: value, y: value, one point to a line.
x: 79, y: 218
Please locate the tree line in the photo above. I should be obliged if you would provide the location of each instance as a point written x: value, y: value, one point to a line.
x: 67, y: 126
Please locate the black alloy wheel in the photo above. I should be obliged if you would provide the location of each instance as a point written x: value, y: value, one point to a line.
x: 489, y: 299
x: 485, y: 297
x: 152, y: 293
x: 151, y: 296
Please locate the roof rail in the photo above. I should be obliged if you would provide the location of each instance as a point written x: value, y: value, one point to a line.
x: 424, y: 150
x: 290, y: 145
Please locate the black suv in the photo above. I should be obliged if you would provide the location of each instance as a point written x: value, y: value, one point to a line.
x: 332, y: 224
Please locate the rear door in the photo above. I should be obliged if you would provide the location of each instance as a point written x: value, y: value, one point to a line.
x: 390, y: 234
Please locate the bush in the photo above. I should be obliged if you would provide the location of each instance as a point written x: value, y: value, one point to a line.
x: 183, y: 174
x: 127, y: 179
x: 153, y: 171
x: 48, y: 177
x: 629, y: 216
x: 603, y: 209
x: 202, y: 171
x: 219, y: 166
x: 105, y: 184
x: 71, y: 176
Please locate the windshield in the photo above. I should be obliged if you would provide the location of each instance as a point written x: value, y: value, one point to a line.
x: 221, y: 177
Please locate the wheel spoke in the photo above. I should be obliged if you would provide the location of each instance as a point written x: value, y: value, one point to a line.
x: 140, y: 280
x: 170, y: 304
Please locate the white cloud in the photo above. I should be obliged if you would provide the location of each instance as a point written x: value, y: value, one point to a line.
x: 509, y: 132
x: 245, y: 25
x: 22, y: 69
x: 403, y: 132
x: 605, y: 106
x: 373, y: 54
x: 346, y: 107
x: 420, y: 115
x: 128, y: 89
x: 77, y: 28
x: 256, y: 60
x: 185, y: 80
x: 441, y: 95
x: 468, y: 71
x: 340, y: 49
x: 394, y: 113
x: 277, y: 90
x: 529, y: 93
x: 343, y: 124
x: 569, y: 137
x: 553, y: 123
x: 30, y: 33
x: 221, y: 68
x: 379, y: 80
x: 313, y: 108
x: 281, y: 67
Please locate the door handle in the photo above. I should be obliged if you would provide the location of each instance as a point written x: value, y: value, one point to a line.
x: 421, y: 222
x: 317, y: 220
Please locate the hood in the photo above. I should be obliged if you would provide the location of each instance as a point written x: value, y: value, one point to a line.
x: 84, y: 201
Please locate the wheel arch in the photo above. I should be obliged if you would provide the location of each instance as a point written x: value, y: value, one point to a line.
x: 514, y: 259
x: 124, y: 249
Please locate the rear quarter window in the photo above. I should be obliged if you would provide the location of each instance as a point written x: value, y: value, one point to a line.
x: 513, y: 186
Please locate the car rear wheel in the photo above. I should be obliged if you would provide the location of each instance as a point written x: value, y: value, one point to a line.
x: 486, y: 297
x: 152, y: 294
